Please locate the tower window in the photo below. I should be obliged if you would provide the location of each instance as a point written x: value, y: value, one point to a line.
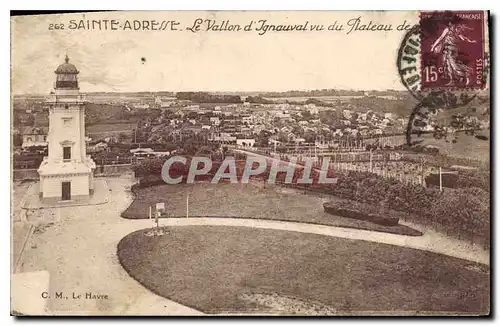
x: 66, y: 121
x: 66, y: 153
x: 66, y: 106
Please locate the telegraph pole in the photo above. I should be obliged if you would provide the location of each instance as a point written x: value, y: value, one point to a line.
x: 371, y: 160
x: 440, y: 180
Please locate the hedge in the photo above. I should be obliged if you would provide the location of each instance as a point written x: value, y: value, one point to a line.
x: 463, y: 212
x: 362, y: 211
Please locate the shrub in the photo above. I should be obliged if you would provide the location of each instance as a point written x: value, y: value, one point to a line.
x: 362, y: 211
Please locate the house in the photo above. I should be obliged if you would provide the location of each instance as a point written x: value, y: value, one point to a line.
x: 338, y: 133
x: 222, y: 137
x: 142, y: 153
x: 387, y: 122
x: 140, y: 106
x: 291, y: 136
x: 283, y: 114
x: 364, y: 132
x: 286, y: 129
x: 215, y: 121
x: 99, y: 147
x: 189, y: 130
x: 258, y: 128
x: 193, y: 107
x: 167, y: 104
x: 245, y: 130
x: 247, y: 119
x: 313, y: 110
x: 274, y: 142
x: 245, y: 142
x: 35, y: 136
x: 347, y: 114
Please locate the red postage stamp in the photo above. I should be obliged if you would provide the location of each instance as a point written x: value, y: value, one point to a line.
x: 452, y: 49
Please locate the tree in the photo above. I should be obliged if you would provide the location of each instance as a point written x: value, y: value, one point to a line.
x: 310, y: 137
x: 122, y: 137
x: 17, y: 140
x: 148, y: 166
x: 306, y: 115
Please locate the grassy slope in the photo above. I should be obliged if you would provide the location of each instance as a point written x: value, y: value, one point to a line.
x: 210, y: 267
x: 466, y: 146
x: 110, y: 127
x: 247, y: 201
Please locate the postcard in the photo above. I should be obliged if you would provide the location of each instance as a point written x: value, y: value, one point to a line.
x: 251, y: 163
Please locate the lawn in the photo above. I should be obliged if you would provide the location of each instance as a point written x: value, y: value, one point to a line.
x: 466, y: 146
x: 246, y: 201
x: 225, y: 269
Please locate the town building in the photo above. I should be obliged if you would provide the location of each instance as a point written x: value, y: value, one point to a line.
x: 34, y: 136
x: 245, y: 142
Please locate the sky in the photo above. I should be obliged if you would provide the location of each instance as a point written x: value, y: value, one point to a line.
x: 208, y: 60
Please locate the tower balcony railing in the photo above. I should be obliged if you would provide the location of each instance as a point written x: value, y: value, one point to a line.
x: 66, y: 98
x: 74, y: 159
x: 45, y: 161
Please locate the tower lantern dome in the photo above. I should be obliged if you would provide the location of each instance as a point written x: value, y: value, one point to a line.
x: 66, y: 75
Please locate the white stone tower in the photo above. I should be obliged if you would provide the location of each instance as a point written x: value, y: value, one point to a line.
x: 67, y: 173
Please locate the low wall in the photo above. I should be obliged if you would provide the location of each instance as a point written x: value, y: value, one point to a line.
x: 109, y: 170
x: 25, y: 174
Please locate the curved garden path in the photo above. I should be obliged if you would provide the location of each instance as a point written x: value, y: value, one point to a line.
x: 430, y: 241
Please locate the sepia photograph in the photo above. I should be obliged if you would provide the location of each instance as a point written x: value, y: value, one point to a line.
x: 250, y: 163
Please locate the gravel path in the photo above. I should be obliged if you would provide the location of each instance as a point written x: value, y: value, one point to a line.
x: 430, y: 241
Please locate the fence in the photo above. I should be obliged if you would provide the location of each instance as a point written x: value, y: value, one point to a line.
x: 25, y: 174
x: 404, y: 172
x: 399, y: 173
x: 114, y: 161
x: 27, y: 164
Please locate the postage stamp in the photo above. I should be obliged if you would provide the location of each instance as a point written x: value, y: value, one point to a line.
x: 443, y: 62
x: 444, y: 58
x: 452, y: 49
